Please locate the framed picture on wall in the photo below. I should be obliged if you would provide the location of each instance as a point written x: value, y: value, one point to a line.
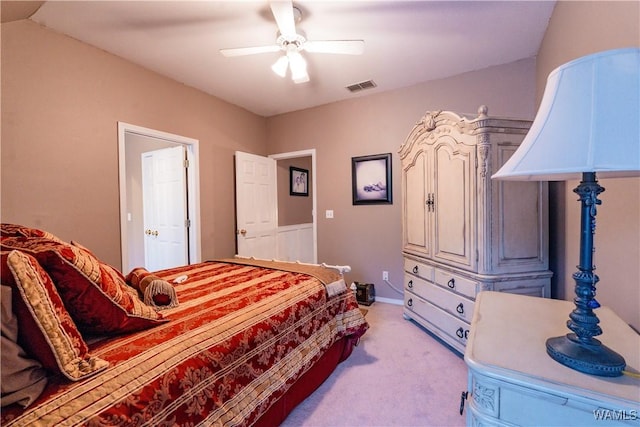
x: 298, y: 181
x: 371, y: 179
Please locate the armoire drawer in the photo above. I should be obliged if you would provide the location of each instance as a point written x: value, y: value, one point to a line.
x: 456, y: 283
x: 419, y: 269
x: 454, y: 329
x: 455, y: 304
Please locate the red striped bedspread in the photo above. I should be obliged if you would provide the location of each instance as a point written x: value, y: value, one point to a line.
x: 240, y: 337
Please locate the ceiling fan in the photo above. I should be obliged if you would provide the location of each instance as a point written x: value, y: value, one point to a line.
x: 291, y: 42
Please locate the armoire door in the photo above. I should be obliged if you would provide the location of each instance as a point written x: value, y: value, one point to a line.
x: 416, y: 221
x: 453, y: 203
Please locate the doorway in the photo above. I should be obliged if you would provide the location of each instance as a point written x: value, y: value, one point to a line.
x: 313, y: 250
x: 291, y: 243
x: 132, y: 142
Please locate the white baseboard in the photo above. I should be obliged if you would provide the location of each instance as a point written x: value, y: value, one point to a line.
x: 390, y: 300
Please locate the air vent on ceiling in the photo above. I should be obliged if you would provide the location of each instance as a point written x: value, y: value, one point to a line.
x: 369, y: 84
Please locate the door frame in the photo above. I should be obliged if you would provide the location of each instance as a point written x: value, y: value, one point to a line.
x: 193, y: 187
x: 306, y: 153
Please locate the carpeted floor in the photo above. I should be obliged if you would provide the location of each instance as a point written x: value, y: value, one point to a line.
x: 398, y: 376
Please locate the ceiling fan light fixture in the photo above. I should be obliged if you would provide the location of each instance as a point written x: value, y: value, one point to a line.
x: 298, y: 67
x: 291, y: 42
x: 299, y: 75
x: 280, y: 66
x: 303, y: 78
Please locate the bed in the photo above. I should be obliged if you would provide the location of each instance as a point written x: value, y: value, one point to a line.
x: 244, y: 342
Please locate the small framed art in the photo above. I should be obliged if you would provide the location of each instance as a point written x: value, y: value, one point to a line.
x: 371, y: 179
x: 298, y: 181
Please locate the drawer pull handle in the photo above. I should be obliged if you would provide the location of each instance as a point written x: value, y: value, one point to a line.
x: 460, y: 308
x: 415, y: 270
x: 463, y: 397
x: 410, y: 302
x: 451, y: 283
x: 466, y: 334
x: 460, y: 332
x: 410, y: 284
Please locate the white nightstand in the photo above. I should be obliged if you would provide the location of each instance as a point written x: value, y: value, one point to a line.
x: 512, y: 380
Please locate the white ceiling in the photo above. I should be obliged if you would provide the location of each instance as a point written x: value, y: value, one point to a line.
x: 406, y: 42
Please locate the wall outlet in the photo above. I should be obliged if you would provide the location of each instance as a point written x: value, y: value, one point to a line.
x: 385, y: 275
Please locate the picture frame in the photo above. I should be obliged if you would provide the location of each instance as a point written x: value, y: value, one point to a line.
x: 371, y: 179
x: 298, y: 181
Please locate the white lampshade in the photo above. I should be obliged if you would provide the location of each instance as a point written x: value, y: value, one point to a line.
x: 588, y: 121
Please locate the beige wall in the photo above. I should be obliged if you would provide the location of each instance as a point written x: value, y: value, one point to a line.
x: 369, y: 237
x: 577, y: 29
x: 61, y: 101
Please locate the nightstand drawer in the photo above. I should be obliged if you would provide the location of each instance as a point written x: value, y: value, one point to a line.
x: 497, y: 402
x: 454, y: 304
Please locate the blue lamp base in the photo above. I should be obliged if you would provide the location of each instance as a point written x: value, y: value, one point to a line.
x: 579, y: 350
x: 593, y: 358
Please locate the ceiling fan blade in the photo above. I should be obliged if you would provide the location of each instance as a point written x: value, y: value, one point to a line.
x: 347, y: 47
x: 241, y: 51
x: 283, y: 13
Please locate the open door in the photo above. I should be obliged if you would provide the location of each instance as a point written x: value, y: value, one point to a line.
x: 256, y: 218
x: 165, y: 208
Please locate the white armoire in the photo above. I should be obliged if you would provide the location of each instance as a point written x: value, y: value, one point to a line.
x: 463, y: 232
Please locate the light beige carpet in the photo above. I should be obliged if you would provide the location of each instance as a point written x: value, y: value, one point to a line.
x: 398, y: 376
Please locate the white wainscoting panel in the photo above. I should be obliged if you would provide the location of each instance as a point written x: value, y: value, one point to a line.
x: 295, y: 243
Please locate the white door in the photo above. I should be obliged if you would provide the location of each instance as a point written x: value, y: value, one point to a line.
x: 256, y: 205
x: 165, y: 208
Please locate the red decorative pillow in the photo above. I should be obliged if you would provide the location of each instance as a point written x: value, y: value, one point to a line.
x: 95, y: 293
x: 15, y: 230
x: 22, y: 378
x: 47, y: 331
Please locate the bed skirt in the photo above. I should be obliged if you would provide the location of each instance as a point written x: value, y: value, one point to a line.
x: 308, y: 383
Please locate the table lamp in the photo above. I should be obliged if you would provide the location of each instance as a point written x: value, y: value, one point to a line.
x: 588, y: 123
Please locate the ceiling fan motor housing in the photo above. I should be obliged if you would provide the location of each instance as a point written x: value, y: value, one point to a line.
x: 285, y: 43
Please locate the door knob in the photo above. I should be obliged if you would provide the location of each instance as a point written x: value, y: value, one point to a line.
x: 243, y: 232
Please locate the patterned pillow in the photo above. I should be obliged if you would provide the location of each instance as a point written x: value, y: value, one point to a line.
x: 22, y: 378
x: 47, y: 331
x: 15, y: 230
x: 96, y: 294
